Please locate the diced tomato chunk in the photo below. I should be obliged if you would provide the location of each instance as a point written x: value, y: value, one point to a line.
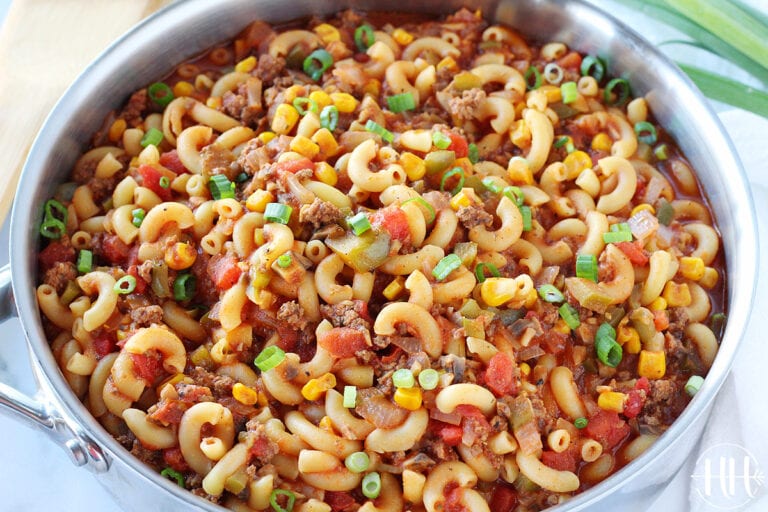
x: 342, y: 341
x: 571, y: 60
x: 660, y: 320
x: 643, y: 384
x: 634, y: 403
x: 500, y: 377
x: 503, y: 499
x: 174, y: 459
x: 450, y: 434
x: 394, y: 221
x: 54, y: 253
x: 141, y: 284
x: 260, y: 447
x: 114, y: 250
x: 170, y: 160
x: 634, y: 251
x: 294, y: 166
x: 224, y: 271
x: 150, y: 178
x: 103, y: 344
x: 458, y: 145
x: 607, y: 428
x: 563, y: 461
x: 340, y: 501
x: 147, y: 366
x: 454, y: 499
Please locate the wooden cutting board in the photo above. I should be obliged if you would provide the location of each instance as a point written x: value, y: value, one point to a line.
x: 44, y: 45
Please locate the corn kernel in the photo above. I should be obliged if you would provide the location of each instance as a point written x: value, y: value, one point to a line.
x: 326, y: 173
x: 265, y: 137
x: 373, y: 87
x: 172, y: 380
x: 552, y: 93
x: 652, y: 365
x: 710, y: 277
x: 213, y: 102
x: 643, y: 207
x: 633, y: 345
x: 183, y: 89
x: 258, y: 201
x: 577, y: 162
x: 326, y: 142
x: 626, y: 335
x: 676, y: 294
x: 316, y: 388
x: 117, y: 129
x: 692, y: 268
x: 561, y: 326
x: 394, y: 288
x: 402, y: 37
x: 532, y: 299
x: 244, y: 394
x: 408, y: 398
x: 326, y: 423
x: 285, y: 119
x: 525, y: 368
x: 448, y: 63
x: 611, y: 401
x: 463, y: 199
x: 293, y: 92
x: 180, y: 256
x: 321, y: 98
x: 246, y: 65
x: 327, y: 33
x: 495, y: 291
x: 346, y: 103
x: 305, y: 147
x: 414, y: 166
x: 659, y: 304
x: 200, y: 356
x: 602, y: 142
x: 519, y: 171
x: 520, y: 134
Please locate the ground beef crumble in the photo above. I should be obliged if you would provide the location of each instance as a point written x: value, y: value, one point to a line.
x: 320, y: 213
x: 471, y: 216
x: 147, y: 315
x: 293, y: 314
x: 59, y: 275
x: 348, y: 313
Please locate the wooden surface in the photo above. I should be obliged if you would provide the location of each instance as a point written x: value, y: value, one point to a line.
x: 44, y: 45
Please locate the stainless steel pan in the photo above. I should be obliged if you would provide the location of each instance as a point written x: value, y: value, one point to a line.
x: 183, y: 30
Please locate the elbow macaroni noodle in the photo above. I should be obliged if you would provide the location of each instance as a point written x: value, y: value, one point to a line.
x: 411, y: 255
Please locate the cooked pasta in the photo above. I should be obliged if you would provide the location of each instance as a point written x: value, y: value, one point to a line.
x: 355, y: 265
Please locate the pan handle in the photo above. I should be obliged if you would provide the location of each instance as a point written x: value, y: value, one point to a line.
x: 37, y: 411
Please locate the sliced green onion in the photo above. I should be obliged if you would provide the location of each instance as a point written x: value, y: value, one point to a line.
x: 269, y: 358
x: 424, y: 204
x: 617, y: 236
x: 52, y: 228
x: 428, y: 379
x: 372, y: 485
x: 694, y: 384
x: 278, y: 212
x: 350, y: 397
x: 619, y: 88
x: 316, y: 63
x: 553, y: 73
x: 359, y: 223
x: 717, y: 324
x: 184, y: 287
x: 329, y: 117
x: 137, y: 216
x: 241, y: 178
x: 441, y: 140
x: 569, y: 92
x: 527, y: 215
x: 665, y: 212
x: 593, y: 66
x: 473, y: 153
x: 621, y: 226
x: 401, y: 102
x: 276, y: 493
x: 561, y: 141
x: 160, y: 94
x: 550, y: 293
x: 84, y: 261
x: 445, y: 266
x: 164, y: 182
x: 55, y: 210
x: 171, y: 473
x: 646, y: 132
x: 153, y: 137
x: 456, y: 171
x: 580, y: 422
x: 480, y: 269
x: 491, y: 185
x: 608, y: 351
x: 221, y: 187
x: 374, y: 127
x: 533, y: 72
x: 364, y: 37
x: 515, y: 194
x: 586, y: 266
x: 570, y: 315
x: 304, y: 105
x: 284, y: 260
x: 357, y: 462
x: 661, y: 152
x: 125, y: 285
x: 403, y: 378
x: 54, y: 219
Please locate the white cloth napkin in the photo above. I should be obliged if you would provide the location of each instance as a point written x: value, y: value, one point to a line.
x: 740, y: 414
